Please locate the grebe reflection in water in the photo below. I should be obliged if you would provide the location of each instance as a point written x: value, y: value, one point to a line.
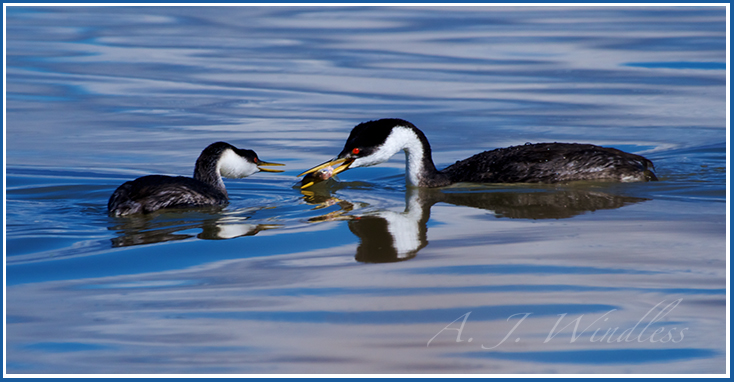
x: 390, y: 236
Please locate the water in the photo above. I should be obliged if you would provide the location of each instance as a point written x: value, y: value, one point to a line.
x: 364, y: 276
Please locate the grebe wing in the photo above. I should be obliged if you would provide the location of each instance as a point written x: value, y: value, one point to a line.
x: 153, y: 192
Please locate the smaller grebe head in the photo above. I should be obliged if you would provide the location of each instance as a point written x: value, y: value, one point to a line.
x: 232, y: 162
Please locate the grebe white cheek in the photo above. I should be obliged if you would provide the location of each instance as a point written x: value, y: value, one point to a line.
x: 232, y: 165
x: 395, y: 142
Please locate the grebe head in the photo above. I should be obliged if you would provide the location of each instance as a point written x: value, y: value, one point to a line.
x: 231, y: 162
x: 374, y: 142
x: 241, y: 163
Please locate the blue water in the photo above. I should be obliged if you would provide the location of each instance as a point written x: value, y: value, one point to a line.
x: 362, y: 275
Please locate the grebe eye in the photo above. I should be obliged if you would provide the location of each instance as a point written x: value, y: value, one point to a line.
x: 256, y: 160
x: 355, y: 151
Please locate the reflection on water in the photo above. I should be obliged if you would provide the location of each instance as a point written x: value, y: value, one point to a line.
x: 280, y: 281
x: 384, y: 236
x: 388, y: 236
x: 162, y: 226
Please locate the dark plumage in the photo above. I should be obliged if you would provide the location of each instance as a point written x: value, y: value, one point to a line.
x: 551, y: 163
x: 153, y: 192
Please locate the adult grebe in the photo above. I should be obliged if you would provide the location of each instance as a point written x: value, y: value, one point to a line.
x: 375, y: 142
x: 153, y: 192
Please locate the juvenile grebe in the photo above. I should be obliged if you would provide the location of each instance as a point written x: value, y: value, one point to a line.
x: 375, y: 142
x: 153, y: 192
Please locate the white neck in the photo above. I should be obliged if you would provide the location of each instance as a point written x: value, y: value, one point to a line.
x: 413, y: 162
x: 400, y: 138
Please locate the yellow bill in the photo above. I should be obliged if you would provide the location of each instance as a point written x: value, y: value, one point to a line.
x: 327, y: 164
x: 343, y: 163
x: 261, y: 163
x: 342, y: 167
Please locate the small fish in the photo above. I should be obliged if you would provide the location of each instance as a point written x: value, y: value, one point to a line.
x: 317, y: 176
x: 324, y: 173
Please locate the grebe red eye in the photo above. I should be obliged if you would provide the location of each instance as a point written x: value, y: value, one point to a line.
x: 355, y: 151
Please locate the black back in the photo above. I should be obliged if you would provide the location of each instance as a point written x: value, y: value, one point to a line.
x: 551, y: 163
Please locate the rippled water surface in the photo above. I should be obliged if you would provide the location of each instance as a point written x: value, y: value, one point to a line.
x: 363, y: 275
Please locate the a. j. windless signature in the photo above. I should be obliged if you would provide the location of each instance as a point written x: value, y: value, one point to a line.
x: 596, y: 329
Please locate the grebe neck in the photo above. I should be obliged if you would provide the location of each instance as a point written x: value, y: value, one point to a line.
x: 419, y: 168
x: 208, y: 171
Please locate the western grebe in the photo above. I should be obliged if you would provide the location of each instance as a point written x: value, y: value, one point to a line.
x: 375, y: 142
x: 153, y: 192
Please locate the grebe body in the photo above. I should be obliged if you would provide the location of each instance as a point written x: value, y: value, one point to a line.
x: 375, y: 142
x: 153, y: 192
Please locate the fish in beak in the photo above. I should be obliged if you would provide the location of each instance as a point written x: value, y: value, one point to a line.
x: 325, y: 171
